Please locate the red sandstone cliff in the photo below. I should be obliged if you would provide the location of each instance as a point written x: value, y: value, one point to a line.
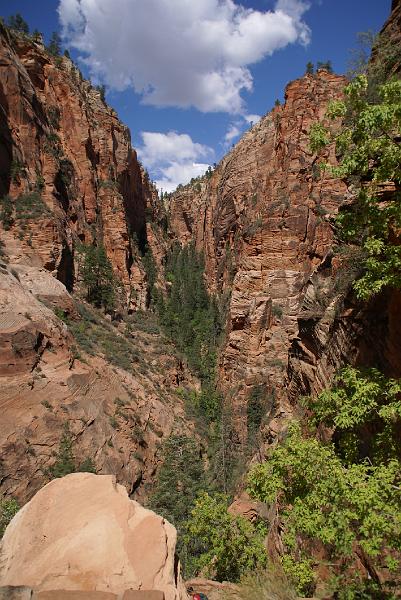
x: 60, y: 141
x: 263, y: 223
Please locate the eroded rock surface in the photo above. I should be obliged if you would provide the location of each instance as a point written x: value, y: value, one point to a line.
x: 63, y: 142
x: 117, y: 416
x: 82, y: 532
x: 262, y: 222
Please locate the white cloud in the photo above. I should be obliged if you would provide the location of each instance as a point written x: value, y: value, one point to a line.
x: 252, y: 118
x: 233, y: 132
x: 180, y: 52
x: 173, y: 158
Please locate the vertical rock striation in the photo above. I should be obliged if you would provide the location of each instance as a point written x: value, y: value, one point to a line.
x: 263, y: 223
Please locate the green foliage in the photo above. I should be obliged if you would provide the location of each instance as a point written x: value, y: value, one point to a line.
x: 102, y: 91
x: 6, y: 213
x: 325, y: 66
x: 66, y: 171
x: 224, y: 547
x: 65, y: 462
x: 37, y: 36
x: 150, y: 267
x: 310, y: 68
x: 188, y: 316
x: 16, y: 170
x: 53, y: 115
x: 369, y: 151
x: 327, y: 501
x: 95, y: 334
x: 54, y: 47
x: 362, y: 405
x: 344, y: 494
x: 8, y: 508
x: 39, y: 183
x: 179, y: 480
x: 30, y: 206
x: 266, y: 584
x: 18, y: 23
x: 97, y: 276
x: 277, y: 311
x: 52, y: 145
x: 255, y: 409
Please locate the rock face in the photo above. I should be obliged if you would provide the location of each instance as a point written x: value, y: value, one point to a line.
x: 60, y: 140
x: 82, y: 532
x: 72, y: 177
x: 116, y: 415
x: 263, y: 223
x: 391, y: 35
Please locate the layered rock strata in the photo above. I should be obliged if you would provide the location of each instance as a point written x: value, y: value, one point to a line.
x: 263, y: 223
x: 62, y: 142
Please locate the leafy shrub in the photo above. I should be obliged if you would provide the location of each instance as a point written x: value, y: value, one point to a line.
x: 188, y: 316
x: 18, y: 23
x: 277, y: 311
x: 65, y: 462
x: 149, y: 265
x: 256, y: 409
x: 344, y: 494
x: 223, y: 546
x: 180, y: 478
x: 54, y: 47
x: 16, y: 170
x: 369, y: 151
x: 52, y: 145
x: 30, y: 206
x: 53, y: 115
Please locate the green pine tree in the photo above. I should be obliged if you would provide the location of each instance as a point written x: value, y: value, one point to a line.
x: 54, y: 47
x: 18, y: 23
x: 98, y: 277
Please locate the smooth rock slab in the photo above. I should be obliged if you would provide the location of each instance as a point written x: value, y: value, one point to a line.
x: 82, y: 532
x: 143, y: 595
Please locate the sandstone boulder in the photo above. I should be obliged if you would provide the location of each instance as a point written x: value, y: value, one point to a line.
x: 82, y: 532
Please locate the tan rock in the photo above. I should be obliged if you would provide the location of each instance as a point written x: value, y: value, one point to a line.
x: 73, y: 595
x: 83, y: 533
x: 143, y: 595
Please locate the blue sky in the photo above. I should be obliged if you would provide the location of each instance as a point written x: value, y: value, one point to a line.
x: 201, y: 68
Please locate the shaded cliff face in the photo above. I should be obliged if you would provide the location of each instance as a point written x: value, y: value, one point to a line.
x: 61, y: 140
x: 263, y: 224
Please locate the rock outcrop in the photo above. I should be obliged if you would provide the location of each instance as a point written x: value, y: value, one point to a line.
x: 116, y: 415
x: 82, y: 532
x: 72, y: 178
x: 64, y: 145
x: 262, y: 221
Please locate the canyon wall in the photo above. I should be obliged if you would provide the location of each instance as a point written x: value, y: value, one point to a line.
x: 263, y: 223
x: 61, y: 140
x: 71, y: 177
